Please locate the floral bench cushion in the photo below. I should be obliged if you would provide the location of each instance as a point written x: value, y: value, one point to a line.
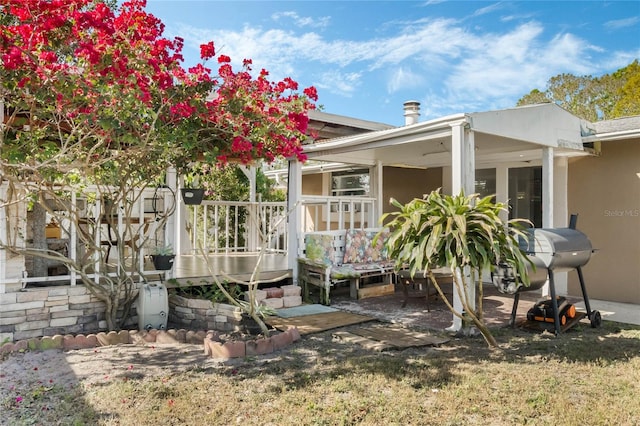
x: 319, y: 248
x: 360, y: 247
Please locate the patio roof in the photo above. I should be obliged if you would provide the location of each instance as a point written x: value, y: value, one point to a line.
x: 510, y: 135
x: 328, y: 126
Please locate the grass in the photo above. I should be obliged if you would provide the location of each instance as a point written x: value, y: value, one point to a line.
x: 585, y: 376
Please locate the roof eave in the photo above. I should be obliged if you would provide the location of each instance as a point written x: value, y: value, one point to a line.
x: 387, y: 134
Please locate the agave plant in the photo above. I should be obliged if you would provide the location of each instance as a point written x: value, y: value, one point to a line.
x: 462, y: 233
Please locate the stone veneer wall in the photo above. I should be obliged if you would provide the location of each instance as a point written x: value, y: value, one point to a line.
x: 200, y: 314
x: 64, y: 310
x: 49, y: 311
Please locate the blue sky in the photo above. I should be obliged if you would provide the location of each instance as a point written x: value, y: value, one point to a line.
x: 367, y: 57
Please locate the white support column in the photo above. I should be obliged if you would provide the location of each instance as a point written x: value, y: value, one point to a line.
x: 250, y: 173
x: 377, y: 183
x: 560, y: 192
x: 462, y: 179
x: 469, y: 169
x: 181, y: 240
x: 502, y: 189
x: 462, y: 160
x: 174, y: 224
x: 547, y: 198
x: 294, y: 208
x: 560, y: 213
x: 253, y: 219
x: 547, y: 187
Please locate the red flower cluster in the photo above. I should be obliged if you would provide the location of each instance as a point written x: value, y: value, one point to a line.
x: 112, y: 75
x: 207, y: 51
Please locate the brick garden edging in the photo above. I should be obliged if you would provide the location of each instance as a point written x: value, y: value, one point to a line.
x: 216, y: 348
x: 213, y: 345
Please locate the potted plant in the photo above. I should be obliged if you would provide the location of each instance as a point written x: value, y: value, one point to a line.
x: 192, y: 193
x: 163, y: 258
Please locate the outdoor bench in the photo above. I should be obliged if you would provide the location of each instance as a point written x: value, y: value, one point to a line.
x: 332, y: 257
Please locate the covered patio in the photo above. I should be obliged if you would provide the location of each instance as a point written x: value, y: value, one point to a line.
x: 455, y: 147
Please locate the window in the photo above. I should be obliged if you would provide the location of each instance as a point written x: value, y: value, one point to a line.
x: 486, y: 182
x: 350, y: 183
x: 525, y: 194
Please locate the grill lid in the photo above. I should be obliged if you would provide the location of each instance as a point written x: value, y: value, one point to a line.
x: 558, y: 248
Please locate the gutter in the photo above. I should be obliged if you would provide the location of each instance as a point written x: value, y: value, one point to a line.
x: 612, y: 136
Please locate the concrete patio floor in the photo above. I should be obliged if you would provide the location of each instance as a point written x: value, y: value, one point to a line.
x: 497, y: 308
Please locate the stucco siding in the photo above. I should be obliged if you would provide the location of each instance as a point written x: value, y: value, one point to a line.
x: 312, y: 184
x: 605, y: 192
x: 405, y: 184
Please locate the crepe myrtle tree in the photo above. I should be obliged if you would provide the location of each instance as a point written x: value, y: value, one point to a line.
x: 95, y: 101
x: 462, y: 233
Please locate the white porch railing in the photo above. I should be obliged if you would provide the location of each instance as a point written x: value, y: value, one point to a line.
x: 236, y: 226
x: 91, y: 216
x: 324, y: 213
x: 219, y: 226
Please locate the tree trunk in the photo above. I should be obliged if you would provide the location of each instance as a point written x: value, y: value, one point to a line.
x: 468, y: 313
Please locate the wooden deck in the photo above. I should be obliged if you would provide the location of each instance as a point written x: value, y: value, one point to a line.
x: 237, y: 265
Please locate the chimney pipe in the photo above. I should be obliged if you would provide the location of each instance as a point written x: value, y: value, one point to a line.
x: 411, y: 112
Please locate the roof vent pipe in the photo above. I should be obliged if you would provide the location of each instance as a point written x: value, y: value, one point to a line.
x: 411, y: 112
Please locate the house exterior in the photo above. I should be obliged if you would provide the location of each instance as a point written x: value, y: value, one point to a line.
x: 543, y: 161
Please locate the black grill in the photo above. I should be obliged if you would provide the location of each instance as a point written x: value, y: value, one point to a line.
x: 550, y: 250
x: 559, y: 249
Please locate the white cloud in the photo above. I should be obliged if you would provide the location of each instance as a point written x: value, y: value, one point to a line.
x: 507, y: 66
x: 488, y: 9
x: 622, y: 23
x: 404, y: 78
x: 459, y: 66
x: 344, y: 84
x: 303, y: 21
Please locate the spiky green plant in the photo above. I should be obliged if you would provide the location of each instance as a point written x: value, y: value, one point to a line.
x: 462, y: 233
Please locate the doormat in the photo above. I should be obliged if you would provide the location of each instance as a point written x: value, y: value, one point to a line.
x: 392, y: 337
x: 316, y: 323
x: 298, y: 311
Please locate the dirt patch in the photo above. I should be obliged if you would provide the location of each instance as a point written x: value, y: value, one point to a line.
x: 22, y: 371
x: 97, y: 365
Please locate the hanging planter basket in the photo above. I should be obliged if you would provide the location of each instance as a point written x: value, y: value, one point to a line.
x: 162, y: 262
x: 192, y: 196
